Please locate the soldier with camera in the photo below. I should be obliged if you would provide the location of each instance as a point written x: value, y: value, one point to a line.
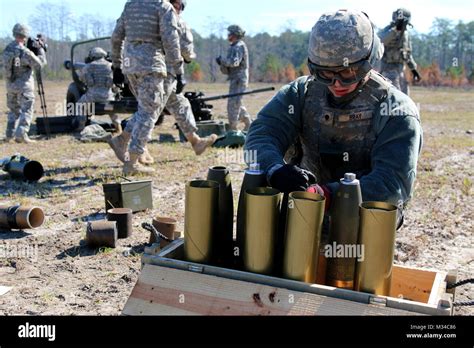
x: 20, y: 58
x: 398, y: 49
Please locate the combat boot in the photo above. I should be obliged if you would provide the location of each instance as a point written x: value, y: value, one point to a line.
x: 201, y: 144
x: 146, y: 158
x: 117, y: 124
x: 120, y: 145
x: 247, y: 122
x: 8, y: 140
x: 24, y: 139
x: 132, y: 167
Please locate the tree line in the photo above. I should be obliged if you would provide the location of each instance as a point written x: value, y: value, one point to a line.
x: 445, y: 55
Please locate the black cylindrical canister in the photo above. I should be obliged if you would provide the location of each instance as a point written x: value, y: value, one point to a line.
x: 123, y: 218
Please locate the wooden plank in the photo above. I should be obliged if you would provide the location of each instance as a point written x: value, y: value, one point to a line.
x: 409, y: 283
x: 412, y: 284
x: 438, y: 289
x: 259, y: 279
x: 166, y: 291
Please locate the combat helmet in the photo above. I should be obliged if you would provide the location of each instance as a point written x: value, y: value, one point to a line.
x: 21, y: 30
x: 97, y: 53
x: 236, y: 30
x: 342, y: 40
x: 401, y: 14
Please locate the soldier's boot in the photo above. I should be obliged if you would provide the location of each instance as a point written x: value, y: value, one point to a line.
x: 24, y: 139
x: 247, y: 122
x: 133, y: 167
x: 146, y: 158
x: 120, y: 145
x: 233, y: 126
x: 117, y: 124
x: 199, y: 144
x: 8, y: 140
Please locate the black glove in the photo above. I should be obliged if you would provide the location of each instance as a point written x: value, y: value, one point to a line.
x: 416, y: 75
x: 180, y: 84
x: 290, y: 178
x: 219, y: 60
x: 119, y: 77
x: 402, y: 25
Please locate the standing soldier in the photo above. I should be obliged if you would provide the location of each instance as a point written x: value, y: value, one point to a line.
x: 178, y: 105
x: 236, y: 65
x: 98, y: 78
x: 396, y: 39
x: 144, y: 42
x: 19, y: 63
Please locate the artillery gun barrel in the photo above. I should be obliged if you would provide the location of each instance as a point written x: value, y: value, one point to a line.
x: 226, y: 96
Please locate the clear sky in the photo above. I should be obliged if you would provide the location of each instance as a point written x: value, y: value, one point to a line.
x: 257, y: 15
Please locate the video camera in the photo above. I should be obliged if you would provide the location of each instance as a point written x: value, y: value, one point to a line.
x: 35, y: 45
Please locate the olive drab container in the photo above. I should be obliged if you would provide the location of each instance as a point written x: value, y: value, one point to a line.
x: 262, y: 213
x: 253, y: 178
x: 378, y: 225
x: 200, y: 220
x: 135, y: 195
x: 224, y: 238
x: 344, y: 233
x: 303, y: 234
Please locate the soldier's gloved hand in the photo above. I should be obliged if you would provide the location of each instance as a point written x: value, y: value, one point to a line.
x: 323, y: 191
x: 290, y: 178
x: 219, y: 60
x: 402, y: 25
x: 180, y: 84
x: 119, y: 77
x: 416, y: 75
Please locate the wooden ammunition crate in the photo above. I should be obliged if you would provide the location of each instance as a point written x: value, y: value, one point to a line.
x: 170, y: 286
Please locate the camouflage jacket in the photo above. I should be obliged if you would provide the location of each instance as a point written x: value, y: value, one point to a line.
x: 398, y: 47
x: 19, y: 63
x: 236, y: 64
x: 146, y: 39
x: 186, y: 40
x: 394, y: 126
x: 98, y: 78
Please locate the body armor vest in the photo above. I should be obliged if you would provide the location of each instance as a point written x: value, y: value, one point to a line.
x: 142, y: 21
x: 99, y: 75
x: 398, y: 51
x: 242, y: 70
x: 336, y: 140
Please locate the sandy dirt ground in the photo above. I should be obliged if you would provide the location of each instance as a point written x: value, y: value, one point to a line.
x: 52, y: 271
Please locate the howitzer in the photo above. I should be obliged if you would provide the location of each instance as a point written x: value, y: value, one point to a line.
x: 203, y: 111
x: 20, y: 167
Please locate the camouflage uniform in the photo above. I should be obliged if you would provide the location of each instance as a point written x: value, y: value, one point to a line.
x: 19, y: 63
x: 97, y: 76
x: 143, y: 33
x: 178, y: 105
x: 398, y: 50
x: 375, y: 132
x: 236, y: 65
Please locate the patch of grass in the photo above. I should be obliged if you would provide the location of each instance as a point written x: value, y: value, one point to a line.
x: 106, y: 251
x: 466, y: 187
x: 47, y: 297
